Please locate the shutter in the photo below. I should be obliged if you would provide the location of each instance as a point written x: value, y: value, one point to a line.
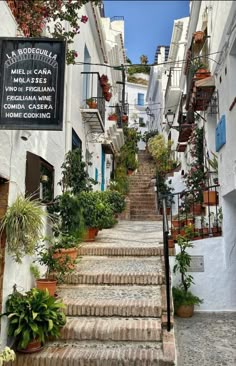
x: 32, y: 177
x: 221, y: 133
x: 140, y: 99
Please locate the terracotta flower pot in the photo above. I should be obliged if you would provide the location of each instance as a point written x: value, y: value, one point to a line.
x: 198, y: 36
x: 62, y: 254
x: 210, y: 197
x: 33, y: 346
x: 196, y: 209
x: 202, y: 73
x: 43, y: 284
x: 90, y: 234
x: 113, y: 117
x: 185, y: 311
x: 92, y: 105
x: 171, y: 243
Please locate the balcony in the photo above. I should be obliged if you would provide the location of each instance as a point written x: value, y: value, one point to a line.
x: 202, y: 93
x: 173, y: 91
x: 197, y: 211
x: 93, y: 106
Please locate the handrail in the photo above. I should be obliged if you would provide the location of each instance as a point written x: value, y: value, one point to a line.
x: 167, y: 264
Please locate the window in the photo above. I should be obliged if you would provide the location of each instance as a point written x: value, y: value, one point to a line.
x: 76, y: 142
x: 141, y: 122
x: 141, y: 99
x: 39, y: 178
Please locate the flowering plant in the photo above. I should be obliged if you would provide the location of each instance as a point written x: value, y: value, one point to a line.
x: 196, y: 176
x: 6, y: 355
x: 32, y: 16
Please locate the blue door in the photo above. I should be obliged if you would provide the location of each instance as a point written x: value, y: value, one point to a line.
x: 103, y: 171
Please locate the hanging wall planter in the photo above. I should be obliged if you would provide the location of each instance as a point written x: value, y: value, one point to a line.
x: 210, y: 198
x: 198, y: 36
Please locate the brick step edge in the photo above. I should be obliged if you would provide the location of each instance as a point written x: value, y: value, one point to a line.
x: 104, y: 308
x: 112, y: 329
x: 114, y: 251
x: 115, y: 279
x: 73, y: 354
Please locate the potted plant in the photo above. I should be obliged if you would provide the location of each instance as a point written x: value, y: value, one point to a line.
x: 103, y: 80
x: 125, y: 118
x: 106, y: 88
x: 23, y: 223
x: 66, y: 249
x: 112, y: 117
x: 108, y: 96
x: 200, y: 69
x: 56, y: 266
x: 198, y: 36
x: 33, y: 317
x: 184, y: 300
x: 91, y: 102
x: 97, y: 213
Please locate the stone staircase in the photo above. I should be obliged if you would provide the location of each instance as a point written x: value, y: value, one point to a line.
x: 115, y: 304
x: 142, y: 195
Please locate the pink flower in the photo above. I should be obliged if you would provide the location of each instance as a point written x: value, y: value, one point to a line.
x: 84, y: 19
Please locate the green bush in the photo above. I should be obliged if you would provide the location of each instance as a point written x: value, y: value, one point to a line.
x: 115, y: 199
x: 67, y: 215
x: 96, y: 212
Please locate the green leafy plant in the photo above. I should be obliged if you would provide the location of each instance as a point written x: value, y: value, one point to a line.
x: 149, y: 134
x: 75, y: 177
x: 45, y: 256
x: 33, y: 315
x: 67, y: 217
x: 181, y: 294
x: 97, y: 213
x: 160, y: 149
x: 22, y: 222
x: 115, y: 199
x: 120, y: 181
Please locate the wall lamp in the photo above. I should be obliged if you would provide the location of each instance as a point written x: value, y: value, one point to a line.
x: 170, y: 116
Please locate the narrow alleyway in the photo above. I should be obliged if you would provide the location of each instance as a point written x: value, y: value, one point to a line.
x: 115, y: 304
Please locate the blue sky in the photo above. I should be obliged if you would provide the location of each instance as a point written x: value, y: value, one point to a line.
x: 147, y: 24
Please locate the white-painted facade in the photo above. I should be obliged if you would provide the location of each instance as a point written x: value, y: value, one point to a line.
x: 216, y: 285
x: 93, y: 46
x: 138, y: 117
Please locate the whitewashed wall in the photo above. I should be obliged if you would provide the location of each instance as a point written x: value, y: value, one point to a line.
x: 215, y: 284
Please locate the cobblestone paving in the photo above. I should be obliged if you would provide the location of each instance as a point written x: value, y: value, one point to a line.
x: 151, y: 293
x: 206, y: 339
x: 96, y: 265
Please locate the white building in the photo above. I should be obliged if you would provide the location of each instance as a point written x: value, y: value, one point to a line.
x: 209, y: 103
x: 136, y: 97
x: 23, y: 154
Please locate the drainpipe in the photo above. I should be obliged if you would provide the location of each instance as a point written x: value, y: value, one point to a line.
x: 68, y: 88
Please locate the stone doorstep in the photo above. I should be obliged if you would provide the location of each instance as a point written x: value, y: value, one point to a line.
x: 145, y: 218
x: 112, y: 329
x: 115, y: 279
x: 96, y: 354
x: 122, y: 308
x: 119, y: 251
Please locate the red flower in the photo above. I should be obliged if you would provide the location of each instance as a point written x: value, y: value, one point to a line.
x: 84, y: 19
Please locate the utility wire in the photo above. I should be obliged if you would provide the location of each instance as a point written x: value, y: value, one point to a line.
x: 120, y: 67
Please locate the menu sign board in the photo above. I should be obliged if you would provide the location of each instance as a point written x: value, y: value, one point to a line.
x: 31, y: 83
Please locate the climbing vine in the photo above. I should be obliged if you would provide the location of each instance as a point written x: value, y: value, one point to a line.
x: 33, y: 15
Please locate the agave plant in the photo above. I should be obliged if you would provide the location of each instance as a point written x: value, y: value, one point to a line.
x: 22, y: 223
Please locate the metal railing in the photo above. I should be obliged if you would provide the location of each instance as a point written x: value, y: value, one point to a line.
x: 92, y: 90
x: 167, y: 264
x: 197, y: 210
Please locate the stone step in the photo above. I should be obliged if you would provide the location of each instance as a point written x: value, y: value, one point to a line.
x: 121, y: 301
x: 108, y: 353
x: 117, y: 271
x: 145, y: 218
x: 112, y: 329
x: 143, y: 211
x: 115, y: 249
